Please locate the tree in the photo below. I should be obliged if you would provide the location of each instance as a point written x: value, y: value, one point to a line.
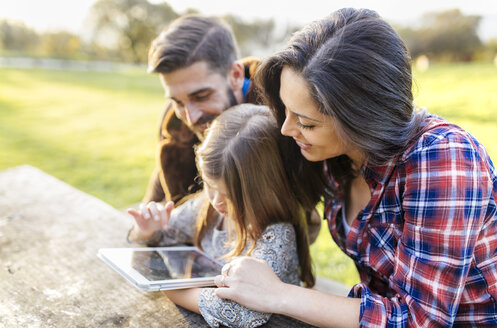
x: 129, y: 25
x: 448, y: 35
x: 60, y: 44
x: 412, y: 39
x: 254, y: 36
x: 16, y: 36
x: 488, y: 52
x: 451, y: 34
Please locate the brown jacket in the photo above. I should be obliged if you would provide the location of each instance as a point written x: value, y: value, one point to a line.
x: 175, y: 172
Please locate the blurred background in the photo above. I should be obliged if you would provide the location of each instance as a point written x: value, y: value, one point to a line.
x: 75, y: 100
x: 121, y: 30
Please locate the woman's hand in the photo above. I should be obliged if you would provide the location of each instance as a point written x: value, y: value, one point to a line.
x: 251, y: 282
x: 152, y: 217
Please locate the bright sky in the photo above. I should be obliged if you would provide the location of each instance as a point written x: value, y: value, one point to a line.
x: 70, y: 14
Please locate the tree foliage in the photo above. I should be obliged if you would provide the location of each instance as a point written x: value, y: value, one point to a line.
x: 250, y: 35
x: 449, y: 35
x: 16, y: 36
x: 121, y: 30
x: 259, y: 37
x: 129, y: 25
x: 60, y: 44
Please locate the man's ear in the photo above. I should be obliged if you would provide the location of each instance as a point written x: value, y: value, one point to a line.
x: 236, y: 75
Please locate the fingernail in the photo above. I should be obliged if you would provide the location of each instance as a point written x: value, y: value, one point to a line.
x: 156, y: 217
x: 146, y: 215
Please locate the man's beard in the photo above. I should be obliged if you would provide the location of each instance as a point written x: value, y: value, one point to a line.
x: 232, y: 98
x: 209, y: 118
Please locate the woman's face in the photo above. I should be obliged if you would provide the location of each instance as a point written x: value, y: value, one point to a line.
x: 216, y: 191
x: 314, y: 132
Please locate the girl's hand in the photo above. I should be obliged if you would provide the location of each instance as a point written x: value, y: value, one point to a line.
x: 152, y: 217
x: 251, y: 282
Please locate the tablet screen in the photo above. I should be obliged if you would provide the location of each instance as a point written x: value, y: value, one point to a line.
x: 178, y: 264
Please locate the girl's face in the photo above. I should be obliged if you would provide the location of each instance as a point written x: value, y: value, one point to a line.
x: 314, y: 132
x: 216, y: 191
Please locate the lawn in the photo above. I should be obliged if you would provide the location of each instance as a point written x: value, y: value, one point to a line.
x: 97, y: 131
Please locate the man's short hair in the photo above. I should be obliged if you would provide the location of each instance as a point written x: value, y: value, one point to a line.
x: 190, y: 39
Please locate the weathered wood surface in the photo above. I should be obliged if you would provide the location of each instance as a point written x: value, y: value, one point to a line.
x: 50, y: 275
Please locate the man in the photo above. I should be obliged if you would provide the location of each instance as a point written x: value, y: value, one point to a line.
x: 196, y: 58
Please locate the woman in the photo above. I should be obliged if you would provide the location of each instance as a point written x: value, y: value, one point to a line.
x: 248, y: 209
x: 409, y: 196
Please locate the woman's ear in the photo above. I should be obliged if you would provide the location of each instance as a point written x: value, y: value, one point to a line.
x: 236, y: 75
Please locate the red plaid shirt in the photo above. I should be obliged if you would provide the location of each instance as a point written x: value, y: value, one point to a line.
x: 426, y: 244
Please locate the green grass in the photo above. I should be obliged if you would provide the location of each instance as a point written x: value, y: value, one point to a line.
x: 97, y: 131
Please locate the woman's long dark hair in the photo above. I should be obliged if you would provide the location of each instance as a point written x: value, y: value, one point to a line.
x: 358, y: 72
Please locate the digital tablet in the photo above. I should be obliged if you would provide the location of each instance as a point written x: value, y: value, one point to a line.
x: 162, y: 268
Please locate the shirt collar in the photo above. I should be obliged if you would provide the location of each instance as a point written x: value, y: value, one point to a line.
x: 378, y: 173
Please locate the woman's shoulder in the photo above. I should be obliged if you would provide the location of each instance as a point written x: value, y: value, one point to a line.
x: 439, y: 135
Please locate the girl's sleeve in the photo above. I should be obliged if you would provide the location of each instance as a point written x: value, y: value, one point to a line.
x: 447, y: 189
x: 278, y: 247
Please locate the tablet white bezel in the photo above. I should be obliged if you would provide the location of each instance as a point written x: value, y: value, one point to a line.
x: 121, y: 265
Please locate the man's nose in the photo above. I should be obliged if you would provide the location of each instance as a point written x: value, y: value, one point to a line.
x: 193, y: 113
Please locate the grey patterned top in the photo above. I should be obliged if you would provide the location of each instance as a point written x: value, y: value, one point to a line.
x: 277, y: 246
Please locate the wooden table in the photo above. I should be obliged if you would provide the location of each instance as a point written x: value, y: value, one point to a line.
x: 50, y: 275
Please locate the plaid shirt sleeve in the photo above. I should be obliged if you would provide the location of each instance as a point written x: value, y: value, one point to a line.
x: 444, y: 197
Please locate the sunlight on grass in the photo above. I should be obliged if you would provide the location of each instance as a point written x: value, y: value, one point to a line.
x: 329, y: 260
x: 93, y: 135
x: 97, y: 131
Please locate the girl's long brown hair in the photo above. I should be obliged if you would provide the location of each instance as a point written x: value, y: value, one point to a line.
x: 242, y: 149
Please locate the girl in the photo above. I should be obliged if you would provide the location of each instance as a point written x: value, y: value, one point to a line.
x: 246, y: 209
x: 411, y: 197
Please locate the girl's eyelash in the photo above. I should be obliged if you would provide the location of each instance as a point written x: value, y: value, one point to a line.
x: 303, y: 126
